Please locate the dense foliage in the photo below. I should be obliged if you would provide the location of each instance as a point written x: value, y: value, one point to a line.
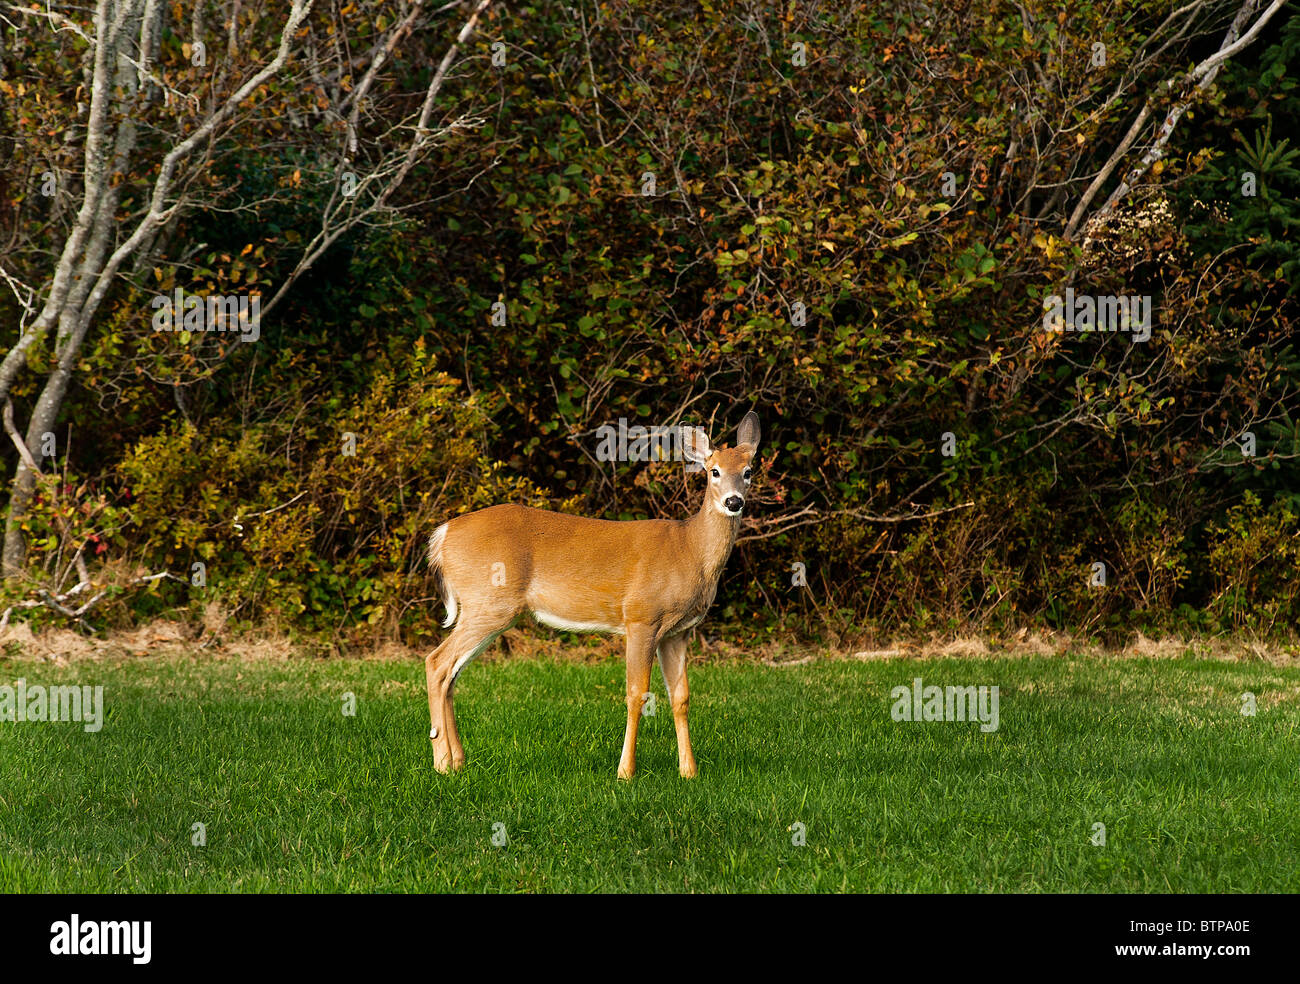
x: 846, y: 217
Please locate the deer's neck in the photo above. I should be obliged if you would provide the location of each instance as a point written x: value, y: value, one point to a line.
x: 713, y: 535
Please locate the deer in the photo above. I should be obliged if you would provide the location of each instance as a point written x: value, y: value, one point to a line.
x: 650, y: 581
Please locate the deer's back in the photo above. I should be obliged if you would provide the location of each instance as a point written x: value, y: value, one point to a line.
x: 573, y: 572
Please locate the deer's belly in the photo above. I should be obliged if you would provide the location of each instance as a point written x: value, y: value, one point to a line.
x: 574, y: 625
x: 575, y: 607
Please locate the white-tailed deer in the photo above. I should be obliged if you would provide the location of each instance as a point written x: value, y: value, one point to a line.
x: 649, y: 580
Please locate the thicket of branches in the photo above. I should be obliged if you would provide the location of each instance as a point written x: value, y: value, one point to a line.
x: 479, y: 233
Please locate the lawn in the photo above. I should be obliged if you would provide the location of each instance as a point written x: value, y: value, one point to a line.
x: 294, y: 795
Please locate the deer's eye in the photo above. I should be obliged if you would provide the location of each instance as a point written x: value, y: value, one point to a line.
x: 748, y: 472
x: 716, y: 473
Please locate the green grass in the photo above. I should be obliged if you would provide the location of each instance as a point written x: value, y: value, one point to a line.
x: 1195, y: 796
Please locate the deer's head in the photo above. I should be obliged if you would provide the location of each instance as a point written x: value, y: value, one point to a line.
x: 729, y: 470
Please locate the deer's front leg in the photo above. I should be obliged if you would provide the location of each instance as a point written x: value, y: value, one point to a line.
x: 672, y: 661
x: 640, y: 660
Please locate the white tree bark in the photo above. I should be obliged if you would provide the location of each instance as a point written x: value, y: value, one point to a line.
x: 1202, y: 76
x: 123, y: 48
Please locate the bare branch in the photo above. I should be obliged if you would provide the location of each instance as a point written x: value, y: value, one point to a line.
x: 1202, y: 75
x: 808, y: 516
x: 329, y: 234
x: 23, y: 451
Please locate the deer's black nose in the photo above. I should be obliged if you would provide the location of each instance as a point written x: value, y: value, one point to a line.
x: 734, y: 503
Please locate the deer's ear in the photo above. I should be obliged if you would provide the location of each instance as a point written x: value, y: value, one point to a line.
x: 695, y: 446
x: 748, y: 432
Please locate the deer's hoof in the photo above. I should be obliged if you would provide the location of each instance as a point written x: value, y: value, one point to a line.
x: 441, y: 760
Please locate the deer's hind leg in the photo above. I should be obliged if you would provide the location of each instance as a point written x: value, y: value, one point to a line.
x: 435, y: 668
x: 468, y: 639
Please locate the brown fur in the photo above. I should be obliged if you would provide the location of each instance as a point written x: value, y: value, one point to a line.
x: 650, y: 579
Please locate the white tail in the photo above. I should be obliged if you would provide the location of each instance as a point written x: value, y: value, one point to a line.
x: 649, y: 580
x: 435, y: 562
